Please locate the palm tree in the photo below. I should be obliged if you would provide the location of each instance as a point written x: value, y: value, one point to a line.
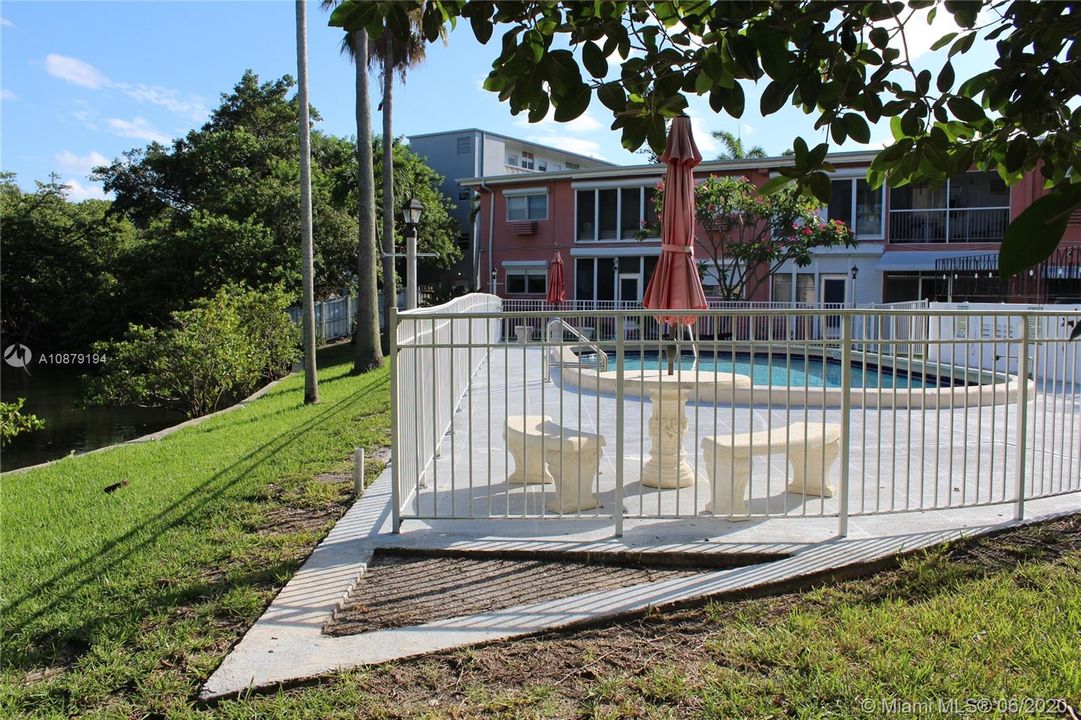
x: 395, y: 56
x: 734, y: 149
x: 367, y: 353
x: 311, y: 383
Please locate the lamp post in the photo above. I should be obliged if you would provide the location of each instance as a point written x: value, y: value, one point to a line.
x: 411, y: 215
x: 854, y: 272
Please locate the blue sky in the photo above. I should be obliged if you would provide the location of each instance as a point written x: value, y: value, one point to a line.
x: 82, y: 82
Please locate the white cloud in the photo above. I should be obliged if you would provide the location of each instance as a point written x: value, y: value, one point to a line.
x: 570, y: 144
x: 584, y: 123
x: 703, y: 136
x: 81, y: 165
x: 83, y: 74
x: 76, y: 72
x: 77, y: 192
x: 169, y: 99
x: 747, y: 129
x: 138, y: 128
x: 6, y: 23
x: 87, y: 117
x: 6, y: 94
x: 919, y: 36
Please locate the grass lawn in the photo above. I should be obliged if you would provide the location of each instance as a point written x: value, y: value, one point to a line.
x: 121, y: 604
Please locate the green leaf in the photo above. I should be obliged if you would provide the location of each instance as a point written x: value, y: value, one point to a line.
x: 1037, y: 231
x: 943, y: 41
x: 838, y: 131
x: 799, y: 147
x: 820, y: 186
x: 572, y: 104
x: 773, y: 185
x: 1016, y: 153
x: 773, y: 97
x: 539, y: 109
x: 945, y: 77
x: 594, y: 60
x: 965, y: 109
x: 857, y: 128
x: 612, y: 97
x: 734, y: 101
x: 1076, y: 330
x: 880, y: 37
x: 482, y: 28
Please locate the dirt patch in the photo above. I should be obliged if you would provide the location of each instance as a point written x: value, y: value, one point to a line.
x: 400, y: 589
x: 574, y: 662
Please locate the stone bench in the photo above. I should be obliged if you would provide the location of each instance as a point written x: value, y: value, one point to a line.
x: 811, y: 448
x: 545, y: 452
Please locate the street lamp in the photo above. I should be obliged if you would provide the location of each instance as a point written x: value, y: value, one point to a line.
x: 411, y: 215
x: 854, y: 272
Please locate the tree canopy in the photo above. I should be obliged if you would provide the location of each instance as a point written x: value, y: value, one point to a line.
x: 845, y: 63
x: 219, y: 206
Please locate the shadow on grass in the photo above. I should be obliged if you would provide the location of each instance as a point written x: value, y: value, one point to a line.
x: 194, y: 506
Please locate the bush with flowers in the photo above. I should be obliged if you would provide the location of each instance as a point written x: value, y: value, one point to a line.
x: 746, y: 236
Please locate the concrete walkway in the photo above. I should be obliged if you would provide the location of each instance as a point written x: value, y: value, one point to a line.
x: 287, y: 643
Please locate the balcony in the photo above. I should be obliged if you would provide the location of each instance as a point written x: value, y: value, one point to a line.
x: 967, y: 225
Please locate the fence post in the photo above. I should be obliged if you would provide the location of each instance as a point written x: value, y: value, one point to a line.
x: 395, y: 466
x: 358, y: 472
x: 847, y: 320
x: 617, y: 511
x: 1022, y: 415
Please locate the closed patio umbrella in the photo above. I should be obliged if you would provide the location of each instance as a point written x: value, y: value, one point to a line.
x: 675, y: 284
x: 556, y: 291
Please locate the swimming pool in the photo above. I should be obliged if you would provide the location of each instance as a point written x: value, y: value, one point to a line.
x: 795, y: 370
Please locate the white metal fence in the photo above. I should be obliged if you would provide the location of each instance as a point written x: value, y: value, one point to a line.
x: 333, y: 318
x: 900, y: 411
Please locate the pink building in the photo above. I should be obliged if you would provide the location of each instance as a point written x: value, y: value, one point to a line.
x: 906, y: 235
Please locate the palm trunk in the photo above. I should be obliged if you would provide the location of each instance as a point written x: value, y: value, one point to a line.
x: 311, y: 383
x: 367, y: 353
x: 390, y: 285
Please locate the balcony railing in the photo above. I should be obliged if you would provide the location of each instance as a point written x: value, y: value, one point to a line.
x: 968, y: 225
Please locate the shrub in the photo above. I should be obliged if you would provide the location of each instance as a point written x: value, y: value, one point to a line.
x: 219, y: 351
x: 14, y: 422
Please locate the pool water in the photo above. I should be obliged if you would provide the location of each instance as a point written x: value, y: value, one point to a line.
x: 791, y: 371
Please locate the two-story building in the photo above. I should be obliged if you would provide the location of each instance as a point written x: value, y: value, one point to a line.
x: 594, y: 217
x: 477, y: 154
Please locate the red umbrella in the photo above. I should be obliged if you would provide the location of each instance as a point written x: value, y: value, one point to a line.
x: 675, y: 284
x: 556, y: 292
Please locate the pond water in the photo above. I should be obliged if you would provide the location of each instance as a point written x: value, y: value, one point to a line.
x: 54, y: 397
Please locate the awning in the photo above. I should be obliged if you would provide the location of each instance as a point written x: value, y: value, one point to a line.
x: 896, y: 260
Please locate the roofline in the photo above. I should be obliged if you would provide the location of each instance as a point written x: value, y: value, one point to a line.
x: 862, y: 156
x: 517, y: 140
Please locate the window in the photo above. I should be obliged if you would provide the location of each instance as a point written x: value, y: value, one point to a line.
x: 527, y: 160
x: 613, y: 214
x: 533, y: 206
x: 972, y: 207
x: 572, y: 165
x: 464, y: 193
x: 861, y: 208
x: 595, y: 278
x: 542, y: 166
x: 781, y: 288
x: 805, y: 288
x: 527, y: 281
x: 465, y: 145
x: 556, y: 167
x: 512, y: 159
x: 463, y: 241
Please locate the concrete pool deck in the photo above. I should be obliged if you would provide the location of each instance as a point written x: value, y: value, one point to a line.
x: 287, y: 643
